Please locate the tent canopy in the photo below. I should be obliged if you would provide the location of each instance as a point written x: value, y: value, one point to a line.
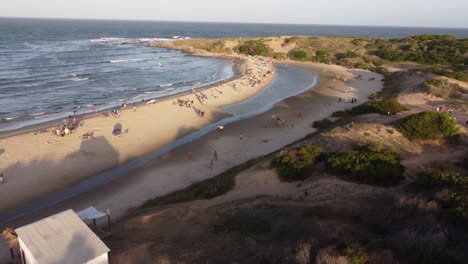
x: 90, y: 213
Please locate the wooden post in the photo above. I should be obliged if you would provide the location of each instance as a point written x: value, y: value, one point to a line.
x: 12, y: 253
x: 109, y: 219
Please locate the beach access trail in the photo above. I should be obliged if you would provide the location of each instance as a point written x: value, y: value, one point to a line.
x: 238, y: 142
x: 38, y: 163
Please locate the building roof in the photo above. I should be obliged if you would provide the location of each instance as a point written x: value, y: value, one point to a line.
x: 61, y: 238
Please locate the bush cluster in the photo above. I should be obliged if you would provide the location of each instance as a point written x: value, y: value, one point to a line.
x: 296, y: 164
x: 436, y: 82
x: 369, y: 164
x: 298, y: 55
x: 458, y: 75
x: 379, y: 106
x: 426, y: 49
x: 434, y: 179
x: 348, y: 54
x: 454, y: 200
x: 428, y: 125
x: 254, y: 48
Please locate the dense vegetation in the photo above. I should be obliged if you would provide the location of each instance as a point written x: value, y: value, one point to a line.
x: 380, y: 106
x: 298, y: 55
x: 254, y: 48
x: 428, y: 125
x: 425, y: 49
x: 449, y: 189
x: 458, y: 75
x: 369, y: 164
x: 296, y: 164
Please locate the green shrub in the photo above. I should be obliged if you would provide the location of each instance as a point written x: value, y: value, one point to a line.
x: 436, y: 179
x: 322, y: 124
x: 254, y: 47
x: 458, y: 75
x: 454, y: 201
x: 217, y: 46
x: 298, y: 55
x: 428, y: 125
x: 380, y: 106
x: 356, y: 255
x: 367, y: 164
x: 296, y: 164
x: 362, y: 65
x: 347, y: 55
x: 436, y: 82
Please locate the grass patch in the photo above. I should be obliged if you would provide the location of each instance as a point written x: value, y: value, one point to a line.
x: 436, y: 82
x: 366, y: 134
x: 206, y: 189
x: 296, y: 164
x: 428, y: 125
x: 369, y: 164
x: 449, y: 189
x: 355, y: 255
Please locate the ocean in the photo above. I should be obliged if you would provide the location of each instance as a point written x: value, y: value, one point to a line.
x: 50, y: 68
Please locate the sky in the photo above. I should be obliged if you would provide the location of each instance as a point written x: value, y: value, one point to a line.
x: 411, y: 13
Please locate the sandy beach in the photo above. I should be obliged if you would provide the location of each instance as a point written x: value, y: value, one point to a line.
x: 35, y: 164
x: 178, y: 169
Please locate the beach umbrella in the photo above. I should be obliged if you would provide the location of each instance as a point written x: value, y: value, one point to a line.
x: 117, y: 132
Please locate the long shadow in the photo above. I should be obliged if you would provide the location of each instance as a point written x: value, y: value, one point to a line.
x: 2, y: 151
x: 91, y: 152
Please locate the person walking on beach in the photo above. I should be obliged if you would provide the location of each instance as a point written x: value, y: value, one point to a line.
x: 215, y: 155
x: 2, y: 180
x: 241, y: 137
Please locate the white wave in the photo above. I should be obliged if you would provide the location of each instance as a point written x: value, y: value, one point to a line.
x: 11, y: 118
x: 78, y: 79
x: 38, y: 114
x: 166, y: 85
x: 109, y: 40
x: 130, y: 60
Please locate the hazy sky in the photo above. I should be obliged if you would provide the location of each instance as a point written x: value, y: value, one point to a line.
x: 423, y: 13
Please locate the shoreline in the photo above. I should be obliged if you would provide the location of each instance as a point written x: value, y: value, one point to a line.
x: 52, y: 163
x: 171, y: 171
x: 237, y: 62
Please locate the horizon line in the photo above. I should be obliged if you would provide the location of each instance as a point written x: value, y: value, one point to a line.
x: 227, y: 22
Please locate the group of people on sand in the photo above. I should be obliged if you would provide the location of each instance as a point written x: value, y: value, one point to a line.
x: 186, y: 102
x: 353, y: 100
x: 67, y: 127
x: 278, y: 121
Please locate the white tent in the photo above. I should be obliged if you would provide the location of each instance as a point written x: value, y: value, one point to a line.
x: 90, y: 213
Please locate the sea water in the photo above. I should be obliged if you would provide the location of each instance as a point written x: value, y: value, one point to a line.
x: 50, y: 68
